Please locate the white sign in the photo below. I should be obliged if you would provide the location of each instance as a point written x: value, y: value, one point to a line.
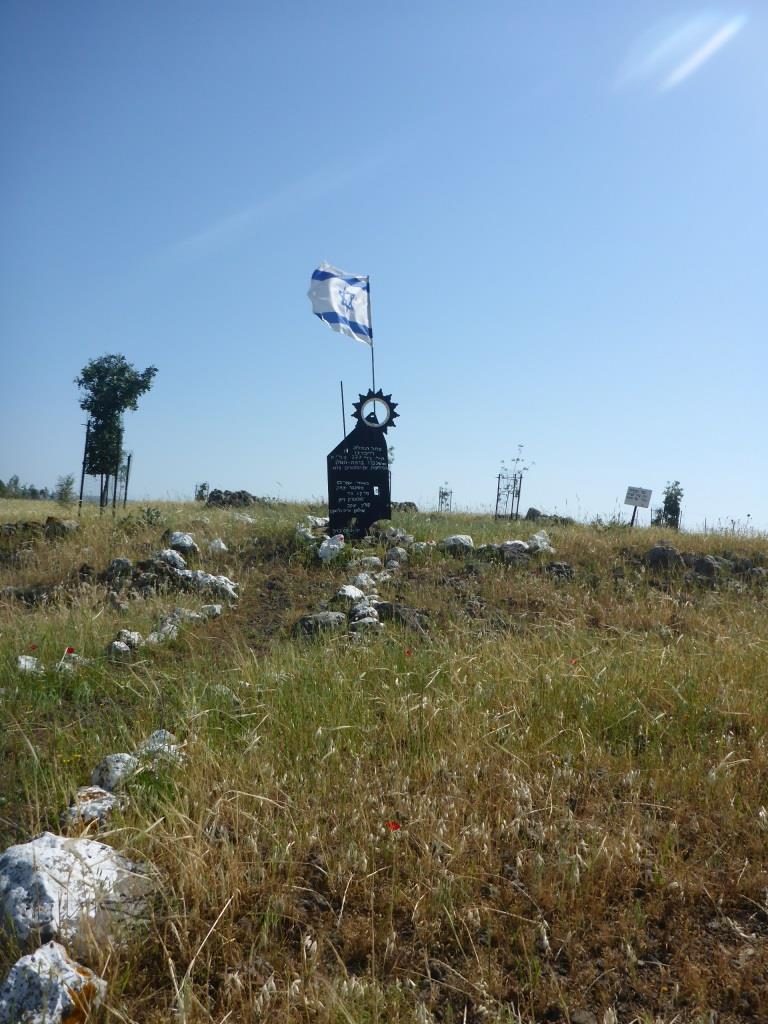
x: 638, y: 496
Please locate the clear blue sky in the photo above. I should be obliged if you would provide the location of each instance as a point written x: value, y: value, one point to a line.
x: 562, y: 207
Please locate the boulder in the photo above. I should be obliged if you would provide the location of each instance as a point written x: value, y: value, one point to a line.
x: 211, y: 611
x: 48, y: 987
x: 78, y: 890
x: 114, y: 771
x: 184, y: 543
x: 560, y: 570
x: 118, y: 568
x: 320, y: 622
x: 396, y: 555
x: 131, y: 638
x: 365, y: 582
x: 217, y: 546
x: 457, y: 544
x: 161, y: 745
x: 331, y: 548
x: 368, y: 562
x: 171, y: 557
x: 57, y: 528
x: 349, y: 595
x: 540, y: 542
x: 663, y: 556
x: 92, y: 804
x: 368, y: 624
x: 118, y: 650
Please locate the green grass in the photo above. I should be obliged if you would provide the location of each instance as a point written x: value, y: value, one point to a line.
x: 577, y: 769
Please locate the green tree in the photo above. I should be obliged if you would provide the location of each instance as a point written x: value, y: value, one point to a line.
x: 65, y: 489
x: 111, y: 386
x: 670, y: 512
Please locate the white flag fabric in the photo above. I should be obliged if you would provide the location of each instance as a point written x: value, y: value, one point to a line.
x: 343, y: 301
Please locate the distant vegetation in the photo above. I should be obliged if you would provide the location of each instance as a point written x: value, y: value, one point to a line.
x: 63, y: 492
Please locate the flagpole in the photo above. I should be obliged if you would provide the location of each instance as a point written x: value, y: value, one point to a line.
x: 370, y: 328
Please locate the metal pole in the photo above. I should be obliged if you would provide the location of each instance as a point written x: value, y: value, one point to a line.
x: 370, y: 328
x: 82, y: 475
x: 634, y: 515
x: 127, y: 476
x: 343, y: 414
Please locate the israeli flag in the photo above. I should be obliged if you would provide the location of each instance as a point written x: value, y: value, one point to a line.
x: 343, y: 301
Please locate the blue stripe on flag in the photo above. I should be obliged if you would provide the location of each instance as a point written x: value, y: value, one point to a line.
x: 335, y: 318
x: 323, y: 275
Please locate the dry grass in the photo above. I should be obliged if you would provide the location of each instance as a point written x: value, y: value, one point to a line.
x: 554, y: 801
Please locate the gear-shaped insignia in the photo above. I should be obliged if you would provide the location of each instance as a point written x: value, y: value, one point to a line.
x: 376, y: 410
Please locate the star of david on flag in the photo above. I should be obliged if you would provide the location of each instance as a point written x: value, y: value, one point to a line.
x: 343, y: 301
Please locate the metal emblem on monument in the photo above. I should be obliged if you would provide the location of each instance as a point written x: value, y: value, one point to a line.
x: 358, y: 468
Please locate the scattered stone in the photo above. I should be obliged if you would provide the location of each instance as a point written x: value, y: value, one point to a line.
x: 172, y: 558
x: 401, y: 613
x: 368, y: 562
x: 243, y: 517
x: 303, y: 532
x: 74, y: 889
x: 420, y: 547
x: 131, y: 638
x: 363, y: 609
x: 320, y: 622
x: 514, y: 547
x: 29, y: 665
x: 232, y: 499
x: 206, y: 583
x: 182, y: 542
x: 368, y: 624
x: 560, y: 570
x: 709, y: 566
x: 663, y: 556
x: 48, y: 987
x: 458, y: 544
x: 540, y: 542
x: 331, y: 548
x: 56, y: 528
x: 217, y: 546
x: 119, y: 651
x: 318, y: 522
x: 118, y: 568
x: 92, y: 804
x: 161, y: 745
x: 397, y: 555
x: 365, y: 582
x: 70, y: 661
x: 111, y: 773
x: 349, y: 595
x: 211, y: 611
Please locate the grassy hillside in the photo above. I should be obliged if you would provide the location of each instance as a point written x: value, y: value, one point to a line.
x: 548, y: 802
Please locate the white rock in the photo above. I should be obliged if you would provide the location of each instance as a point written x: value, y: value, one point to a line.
x: 368, y: 562
x: 160, y: 745
x: 114, y: 770
x: 397, y: 554
x: 365, y: 582
x: 458, y: 542
x: 92, y: 804
x: 303, y: 532
x: 172, y: 558
x: 318, y: 522
x: 364, y: 609
x: 540, y: 542
x: 119, y: 651
x: 29, y: 665
x: 211, y: 611
x: 419, y: 547
x: 183, y: 542
x: 180, y: 615
x: 74, y: 889
x: 217, y: 546
x: 349, y: 594
x: 48, y: 987
x: 366, y: 625
x: 206, y: 583
x: 243, y: 517
x: 70, y: 662
x: 331, y: 548
x: 131, y: 638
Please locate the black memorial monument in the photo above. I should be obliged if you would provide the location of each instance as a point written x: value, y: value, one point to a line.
x: 358, y: 468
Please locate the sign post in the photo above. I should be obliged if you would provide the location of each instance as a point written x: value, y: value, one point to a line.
x: 640, y: 497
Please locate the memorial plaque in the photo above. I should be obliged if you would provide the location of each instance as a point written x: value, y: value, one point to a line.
x: 358, y: 469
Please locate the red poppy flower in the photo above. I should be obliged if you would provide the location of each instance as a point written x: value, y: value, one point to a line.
x: 33, y: 647
x: 408, y: 652
x: 70, y: 650
x: 574, y: 661
x: 393, y: 826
